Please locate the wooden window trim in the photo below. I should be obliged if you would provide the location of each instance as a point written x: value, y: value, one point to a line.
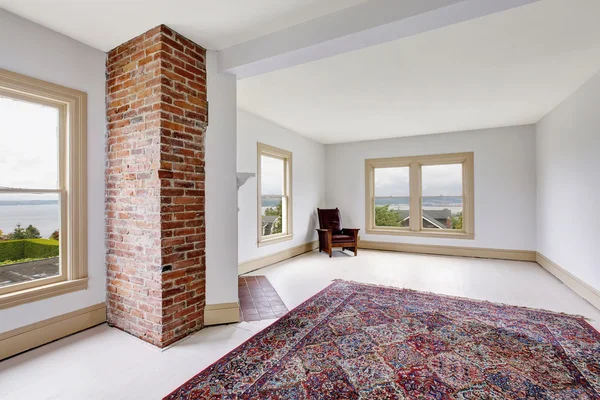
x: 72, y: 105
x: 415, y: 163
x: 286, y: 156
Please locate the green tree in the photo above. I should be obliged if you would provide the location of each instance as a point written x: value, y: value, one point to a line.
x: 386, y: 217
x: 457, y: 221
x: 276, y: 211
x: 55, y: 235
x: 17, y: 234
x: 31, y: 232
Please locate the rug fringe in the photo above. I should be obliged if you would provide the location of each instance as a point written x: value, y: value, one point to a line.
x: 467, y: 299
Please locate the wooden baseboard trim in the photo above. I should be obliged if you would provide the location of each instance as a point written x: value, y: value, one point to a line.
x: 258, y: 263
x: 577, y: 285
x: 224, y: 313
x: 28, y: 337
x: 500, y: 254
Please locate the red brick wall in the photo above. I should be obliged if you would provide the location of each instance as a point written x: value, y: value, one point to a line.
x: 156, y: 119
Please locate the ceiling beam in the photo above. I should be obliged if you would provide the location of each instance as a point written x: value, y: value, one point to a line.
x: 366, y: 24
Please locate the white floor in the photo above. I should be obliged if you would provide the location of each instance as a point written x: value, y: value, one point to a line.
x: 104, y: 363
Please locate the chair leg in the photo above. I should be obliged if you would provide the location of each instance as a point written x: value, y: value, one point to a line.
x: 355, y: 251
x: 330, y: 253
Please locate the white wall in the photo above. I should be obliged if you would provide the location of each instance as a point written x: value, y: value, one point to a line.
x: 221, y: 187
x: 308, y: 183
x: 504, y: 183
x: 568, y: 183
x: 38, y: 52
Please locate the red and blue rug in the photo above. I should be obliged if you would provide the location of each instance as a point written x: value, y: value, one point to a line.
x: 356, y: 341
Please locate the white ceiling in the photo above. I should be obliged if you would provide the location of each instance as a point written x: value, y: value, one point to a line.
x: 214, y: 24
x: 505, y: 69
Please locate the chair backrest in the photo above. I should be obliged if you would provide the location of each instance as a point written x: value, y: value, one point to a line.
x: 330, y: 219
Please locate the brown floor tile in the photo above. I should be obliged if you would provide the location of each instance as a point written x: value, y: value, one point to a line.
x: 250, y: 314
x: 259, y: 300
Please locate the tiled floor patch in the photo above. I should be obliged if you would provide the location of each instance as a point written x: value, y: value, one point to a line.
x: 258, y: 299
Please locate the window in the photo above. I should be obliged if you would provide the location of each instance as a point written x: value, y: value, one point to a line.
x: 274, y: 195
x: 43, y: 227
x: 420, y: 196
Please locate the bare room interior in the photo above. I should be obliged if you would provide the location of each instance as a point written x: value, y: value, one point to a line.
x: 308, y: 199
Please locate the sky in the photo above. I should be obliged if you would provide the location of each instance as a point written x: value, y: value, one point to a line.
x: 271, y: 176
x: 437, y: 180
x: 392, y: 182
x: 29, y: 151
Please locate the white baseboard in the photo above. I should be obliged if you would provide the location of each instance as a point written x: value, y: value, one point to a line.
x: 27, y: 337
x: 577, y: 285
x: 224, y: 313
x: 257, y: 263
x: 500, y: 254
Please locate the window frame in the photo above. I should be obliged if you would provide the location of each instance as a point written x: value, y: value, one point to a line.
x: 286, y: 156
x: 414, y: 163
x: 72, y: 187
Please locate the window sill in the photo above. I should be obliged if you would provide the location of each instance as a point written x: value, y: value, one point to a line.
x: 278, y: 239
x: 443, y: 235
x: 42, y: 292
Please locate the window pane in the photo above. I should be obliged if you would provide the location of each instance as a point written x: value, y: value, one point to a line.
x: 29, y: 151
x: 272, y: 175
x: 274, y: 212
x: 443, y: 212
x: 29, y: 225
x: 392, y: 211
x: 442, y: 180
x: 392, y: 182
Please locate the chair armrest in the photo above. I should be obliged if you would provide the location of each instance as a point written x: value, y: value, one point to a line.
x: 351, y: 231
x: 325, y: 236
x: 325, y: 233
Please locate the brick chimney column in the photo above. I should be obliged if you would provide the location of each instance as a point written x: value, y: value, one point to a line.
x: 157, y: 116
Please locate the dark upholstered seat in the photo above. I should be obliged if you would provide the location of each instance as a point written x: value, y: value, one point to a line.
x: 342, y: 238
x: 333, y: 234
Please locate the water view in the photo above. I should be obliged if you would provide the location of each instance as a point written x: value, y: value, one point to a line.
x: 43, y: 215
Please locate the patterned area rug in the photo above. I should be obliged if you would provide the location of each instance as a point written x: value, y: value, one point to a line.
x: 355, y: 341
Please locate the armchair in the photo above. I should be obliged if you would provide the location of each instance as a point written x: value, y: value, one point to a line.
x: 333, y: 234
